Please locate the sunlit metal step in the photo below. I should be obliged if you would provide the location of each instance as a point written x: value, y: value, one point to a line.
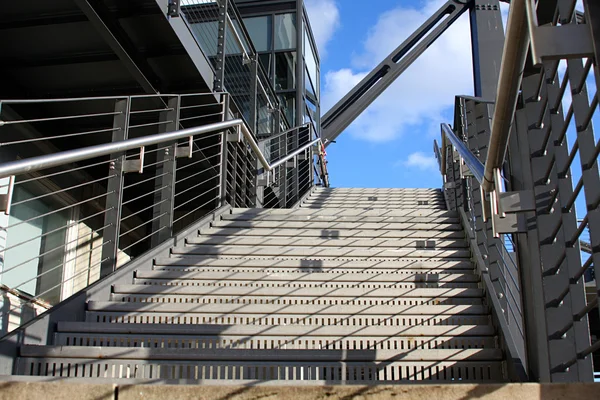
x: 320, y: 252
x: 298, y: 277
x: 332, y: 226
x: 425, y: 266
x: 332, y: 234
x: 288, y: 241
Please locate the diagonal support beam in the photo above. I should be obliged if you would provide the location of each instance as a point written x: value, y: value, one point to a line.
x: 373, y: 85
x: 112, y: 33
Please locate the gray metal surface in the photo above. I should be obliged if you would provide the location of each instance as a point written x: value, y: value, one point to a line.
x: 351, y: 309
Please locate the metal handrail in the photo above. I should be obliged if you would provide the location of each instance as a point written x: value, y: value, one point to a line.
x: 267, y: 139
x: 514, y: 56
x: 65, y: 157
x: 476, y: 167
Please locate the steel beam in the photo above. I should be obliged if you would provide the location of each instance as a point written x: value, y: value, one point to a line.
x: 114, y: 198
x: 373, y: 85
x: 487, y: 41
x: 112, y: 33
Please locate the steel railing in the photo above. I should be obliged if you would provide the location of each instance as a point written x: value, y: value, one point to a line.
x: 220, y: 32
x: 86, y: 185
x: 534, y: 216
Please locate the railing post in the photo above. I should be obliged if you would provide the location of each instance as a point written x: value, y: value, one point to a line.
x: 528, y: 252
x: 162, y: 223
x: 253, y: 116
x: 225, y: 98
x: 283, y: 171
x: 219, y: 83
x: 114, y: 198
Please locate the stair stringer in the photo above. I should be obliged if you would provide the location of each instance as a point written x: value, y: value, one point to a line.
x: 40, y: 330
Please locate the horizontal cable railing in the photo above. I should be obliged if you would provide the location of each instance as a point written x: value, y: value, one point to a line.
x: 88, y: 185
x: 220, y: 32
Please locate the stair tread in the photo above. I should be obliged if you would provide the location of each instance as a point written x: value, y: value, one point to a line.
x: 330, y: 226
x: 326, y: 242
x: 289, y: 309
x: 321, y: 355
x: 278, y: 330
x: 297, y: 292
x: 406, y: 263
x: 338, y: 234
x: 258, y: 212
x: 330, y: 277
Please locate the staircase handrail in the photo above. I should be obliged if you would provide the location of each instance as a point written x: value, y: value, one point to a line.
x: 33, y: 164
x: 476, y: 167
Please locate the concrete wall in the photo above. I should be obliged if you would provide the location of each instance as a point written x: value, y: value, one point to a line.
x: 11, y: 390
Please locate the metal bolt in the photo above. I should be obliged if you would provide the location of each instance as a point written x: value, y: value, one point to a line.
x: 111, y: 165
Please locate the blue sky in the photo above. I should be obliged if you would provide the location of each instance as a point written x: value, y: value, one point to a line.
x: 391, y: 144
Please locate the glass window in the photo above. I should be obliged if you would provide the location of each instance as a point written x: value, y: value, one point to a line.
x: 285, y: 31
x: 311, y: 64
x: 265, y: 61
x: 35, y: 242
x: 288, y: 102
x: 285, y: 71
x: 259, y: 29
x: 206, y: 34
x: 310, y: 91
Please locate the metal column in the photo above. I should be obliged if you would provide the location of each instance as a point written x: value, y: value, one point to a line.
x: 114, y: 198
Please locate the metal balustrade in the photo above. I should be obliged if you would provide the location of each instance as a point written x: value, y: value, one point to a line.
x: 220, y: 32
x: 73, y: 213
x: 535, y: 229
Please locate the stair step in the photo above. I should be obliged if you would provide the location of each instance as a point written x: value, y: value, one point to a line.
x: 373, y: 206
x: 259, y: 212
x: 291, y: 241
x: 282, y: 318
x: 368, y: 266
x: 114, y: 306
x: 289, y: 300
x: 299, y: 277
x: 368, y: 201
x: 96, y: 353
x: 308, y: 284
x: 376, y: 190
x: 288, y: 331
x: 389, y: 203
x: 333, y: 219
x: 377, y: 196
x: 296, y: 292
x: 333, y: 234
x: 323, y: 252
x: 142, y: 339
x: 333, y: 226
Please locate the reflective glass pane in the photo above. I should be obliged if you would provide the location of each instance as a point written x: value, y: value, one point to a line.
x: 288, y: 103
x: 265, y: 61
x: 285, y: 71
x: 311, y: 64
x: 310, y: 91
x: 259, y: 29
x: 285, y: 31
x: 206, y: 34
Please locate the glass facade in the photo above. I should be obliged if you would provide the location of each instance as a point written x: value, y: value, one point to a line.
x: 260, y: 29
x: 275, y: 36
x: 285, y: 31
x: 286, y: 52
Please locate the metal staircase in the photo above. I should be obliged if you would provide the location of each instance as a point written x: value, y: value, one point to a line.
x: 356, y: 286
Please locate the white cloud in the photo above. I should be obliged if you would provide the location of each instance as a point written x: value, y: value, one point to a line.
x: 324, y: 18
x: 419, y: 160
x: 423, y: 92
